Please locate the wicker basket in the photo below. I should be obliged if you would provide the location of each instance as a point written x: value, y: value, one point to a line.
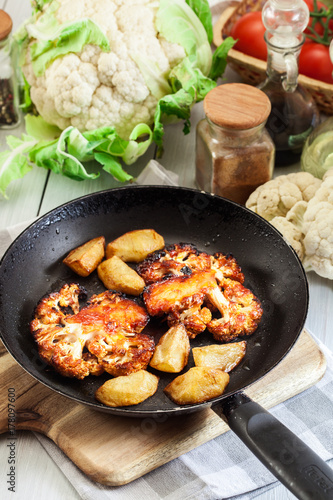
x: 253, y: 70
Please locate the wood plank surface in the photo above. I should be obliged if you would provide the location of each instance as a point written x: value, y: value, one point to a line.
x: 116, y: 450
x: 60, y: 189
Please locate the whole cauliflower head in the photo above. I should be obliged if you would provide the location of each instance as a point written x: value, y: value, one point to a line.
x: 95, y: 88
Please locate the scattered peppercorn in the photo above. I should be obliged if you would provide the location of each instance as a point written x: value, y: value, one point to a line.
x: 8, y: 114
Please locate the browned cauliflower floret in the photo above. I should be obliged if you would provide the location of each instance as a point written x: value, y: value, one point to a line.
x: 240, y: 311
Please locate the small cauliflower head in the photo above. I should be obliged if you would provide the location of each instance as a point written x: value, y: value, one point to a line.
x: 95, y: 88
x: 276, y: 197
x: 300, y: 206
x: 318, y: 229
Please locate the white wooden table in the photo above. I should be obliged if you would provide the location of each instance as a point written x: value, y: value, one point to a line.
x: 41, y: 191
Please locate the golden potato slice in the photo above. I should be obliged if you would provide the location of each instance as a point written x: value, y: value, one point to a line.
x: 84, y: 259
x: 127, y: 390
x: 197, y: 385
x: 134, y: 246
x: 117, y: 275
x: 172, y: 351
x: 223, y: 356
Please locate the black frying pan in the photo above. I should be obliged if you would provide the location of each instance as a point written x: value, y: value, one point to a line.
x: 33, y: 266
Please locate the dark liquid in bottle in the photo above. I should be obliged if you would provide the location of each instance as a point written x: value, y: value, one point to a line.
x: 292, y: 119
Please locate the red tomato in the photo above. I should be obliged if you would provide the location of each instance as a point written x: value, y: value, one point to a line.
x: 315, y: 62
x: 314, y: 59
x: 249, y: 33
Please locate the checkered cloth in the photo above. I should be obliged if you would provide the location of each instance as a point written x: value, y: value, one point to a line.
x: 222, y: 468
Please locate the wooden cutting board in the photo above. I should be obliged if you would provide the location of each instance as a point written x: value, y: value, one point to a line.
x: 116, y: 450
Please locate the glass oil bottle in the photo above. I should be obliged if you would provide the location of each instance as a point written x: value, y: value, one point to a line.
x: 294, y: 113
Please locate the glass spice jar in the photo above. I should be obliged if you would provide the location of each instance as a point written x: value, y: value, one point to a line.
x: 234, y: 152
x: 9, y: 109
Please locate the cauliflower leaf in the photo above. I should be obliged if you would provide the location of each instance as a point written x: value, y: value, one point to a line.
x: 14, y: 163
x: 202, y: 10
x: 219, y: 61
x: 67, y: 154
x: 39, y: 4
x: 69, y: 38
x: 177, y: 22
x: 54, y: 156
x: 156, y: 82
x: 112, y: 166
x: 38, y: 128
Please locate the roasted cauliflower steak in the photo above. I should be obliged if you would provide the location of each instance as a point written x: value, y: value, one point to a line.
x: 200, y: 291
x: 103, y: 335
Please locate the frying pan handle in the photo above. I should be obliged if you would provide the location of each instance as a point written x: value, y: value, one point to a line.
x: 286, y: 456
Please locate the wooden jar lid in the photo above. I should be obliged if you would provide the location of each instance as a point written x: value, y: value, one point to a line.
x: 6, y: 24
x: 237, y: 106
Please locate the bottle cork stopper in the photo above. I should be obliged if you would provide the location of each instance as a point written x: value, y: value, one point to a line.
x: 237, y: 106
x: 6, y: 24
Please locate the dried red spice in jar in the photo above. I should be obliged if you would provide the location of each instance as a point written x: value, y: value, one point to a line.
x: 9, y: 114
x: 234, y: 152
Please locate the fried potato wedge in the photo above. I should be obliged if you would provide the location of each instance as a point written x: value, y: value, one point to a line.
x: 117, y: 275
x: 222, y: 356
x: 84, y: 259
x: 197, y: 385
x: 136, y: 245
x: 172, y: 351
x: 127, y: 390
